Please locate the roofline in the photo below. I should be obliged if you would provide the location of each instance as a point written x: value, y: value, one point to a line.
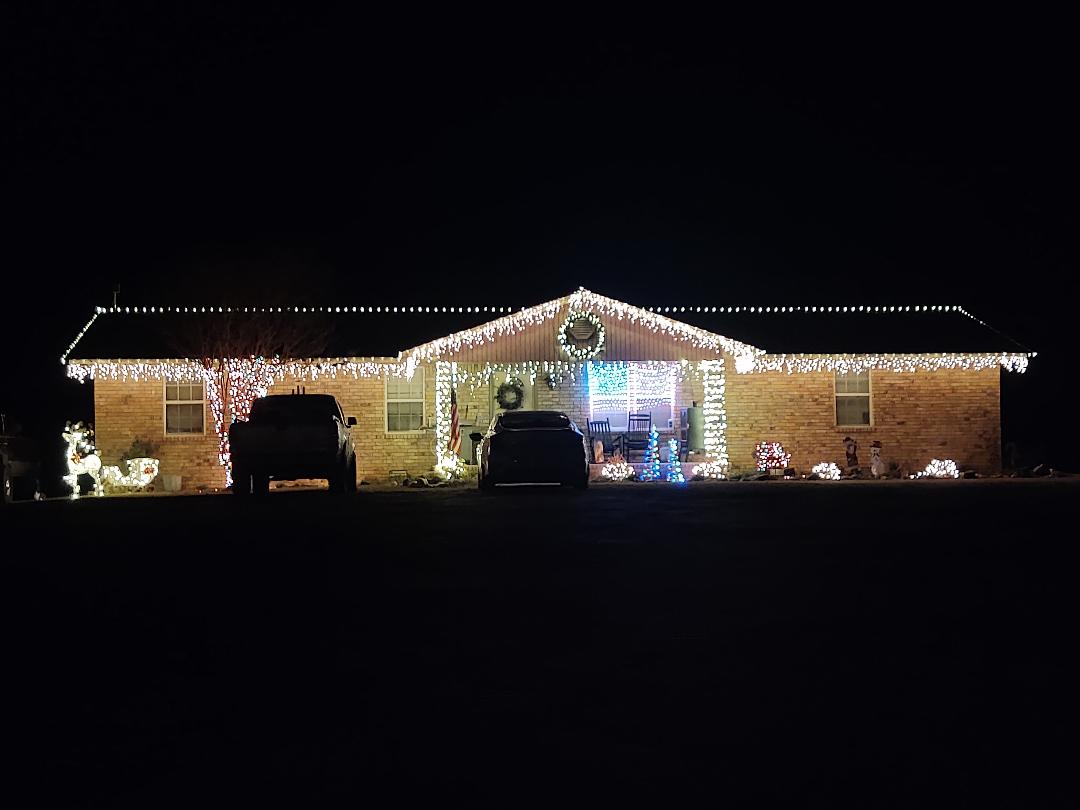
x: 87, y: 361
x: 548, y: 310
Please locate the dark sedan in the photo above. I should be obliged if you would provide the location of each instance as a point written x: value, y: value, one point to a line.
x: 532, y: 447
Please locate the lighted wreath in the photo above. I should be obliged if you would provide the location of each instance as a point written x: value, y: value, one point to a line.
x: 581, y: 336
x: 511, y: 395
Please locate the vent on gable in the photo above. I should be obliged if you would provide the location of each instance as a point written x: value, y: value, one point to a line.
x: 582, y: 330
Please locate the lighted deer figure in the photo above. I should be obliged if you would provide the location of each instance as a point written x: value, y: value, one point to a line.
x: 82, y: 458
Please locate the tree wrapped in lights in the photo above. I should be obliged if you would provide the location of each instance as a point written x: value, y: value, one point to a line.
x: 939, y: 468
x: 827, y: 471
x: 238, y: 354
x: 651, y: 469
x: 674, y: 471
x: 771, y: 456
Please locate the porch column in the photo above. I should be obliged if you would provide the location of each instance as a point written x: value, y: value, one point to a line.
x: 714, y: 414
x: 445, y: 374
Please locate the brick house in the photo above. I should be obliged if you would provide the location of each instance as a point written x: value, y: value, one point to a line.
x: 922, y: 380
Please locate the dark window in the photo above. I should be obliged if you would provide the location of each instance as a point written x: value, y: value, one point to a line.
x: 185, y: 408
x: 853, y: 399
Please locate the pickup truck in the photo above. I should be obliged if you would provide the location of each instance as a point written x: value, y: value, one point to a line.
x: 290, y: 436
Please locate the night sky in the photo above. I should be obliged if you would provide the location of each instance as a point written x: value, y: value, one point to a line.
x: 214, y: 157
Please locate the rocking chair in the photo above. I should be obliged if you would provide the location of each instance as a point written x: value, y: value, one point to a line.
x: 601, y: 429
x: 638, y: 426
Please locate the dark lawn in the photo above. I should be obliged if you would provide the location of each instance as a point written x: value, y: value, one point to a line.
x: 878, y: 645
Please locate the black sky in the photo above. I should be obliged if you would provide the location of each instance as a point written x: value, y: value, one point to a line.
x: 205, y: 156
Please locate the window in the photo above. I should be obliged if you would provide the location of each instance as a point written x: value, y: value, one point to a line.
x: 615, y: 391
x: 405, y: 402
x: 853, y: 399
x: 184, y: 408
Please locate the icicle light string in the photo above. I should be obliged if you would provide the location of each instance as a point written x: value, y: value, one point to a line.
x: 557, y: 370
x: 855, y: 363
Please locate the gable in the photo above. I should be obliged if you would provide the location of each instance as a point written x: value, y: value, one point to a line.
x: 629, y: 333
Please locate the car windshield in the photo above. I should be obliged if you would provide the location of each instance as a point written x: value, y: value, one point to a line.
x: 530, y: 420
x: 294, y: 408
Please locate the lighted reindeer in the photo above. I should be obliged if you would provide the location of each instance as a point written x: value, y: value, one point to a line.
x: 82, y: 457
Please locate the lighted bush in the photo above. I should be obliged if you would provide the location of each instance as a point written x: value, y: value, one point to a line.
x: 771, y: 456
x: 617, y: 471
x: 710, y: 469
x: 827, y: 471
x: 939, y: 468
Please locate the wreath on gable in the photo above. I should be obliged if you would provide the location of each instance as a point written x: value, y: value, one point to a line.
x: 581, y: 336
x: 511, y: 395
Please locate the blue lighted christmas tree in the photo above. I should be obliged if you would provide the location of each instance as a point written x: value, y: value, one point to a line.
x: 674, y: 468
x: 651, y: 469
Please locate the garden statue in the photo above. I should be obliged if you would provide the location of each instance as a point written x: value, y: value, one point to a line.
x: 851, y: 449
x: 877, y: 466
x: 598, y: 451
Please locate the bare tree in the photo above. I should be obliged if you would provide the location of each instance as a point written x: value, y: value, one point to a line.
x: 239, y: 352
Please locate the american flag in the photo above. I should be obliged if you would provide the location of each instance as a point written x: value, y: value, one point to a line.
x: 455, y: 429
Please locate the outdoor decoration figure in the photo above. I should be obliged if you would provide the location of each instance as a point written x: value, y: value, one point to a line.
x: 511, y: 395
x: 675, y: 473
x: 771, y: 456
x: 877, y: 466
x: 851, y: 449
x: 141, y: 473
x: 650, y: 471
x: 82, y: 457
x: 598, y: 451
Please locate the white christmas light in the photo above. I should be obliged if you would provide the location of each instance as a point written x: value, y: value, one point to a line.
x: 744, y: 363
x: 710, y: 469
x: 771, y: 456
x: 699, y: 338
x: 855, y: 363
x: 714, y: 419
x: 617, y: 471
x: 585, y: 301
x: 625, y: 387
x: 826, y: 470
x: 446, y: 462
x: 78, y: 337
x: 185, y: 370
x: 939, y: 468
x: 82, y: 458
x: 141, y: 471
x: 581, y: 352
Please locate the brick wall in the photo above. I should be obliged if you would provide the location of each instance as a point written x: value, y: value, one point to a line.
x: 378, y: 452
x: 127, y: 410
x: 916, y: 416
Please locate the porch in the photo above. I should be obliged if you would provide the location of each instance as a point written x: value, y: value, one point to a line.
x: 616, y: 402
